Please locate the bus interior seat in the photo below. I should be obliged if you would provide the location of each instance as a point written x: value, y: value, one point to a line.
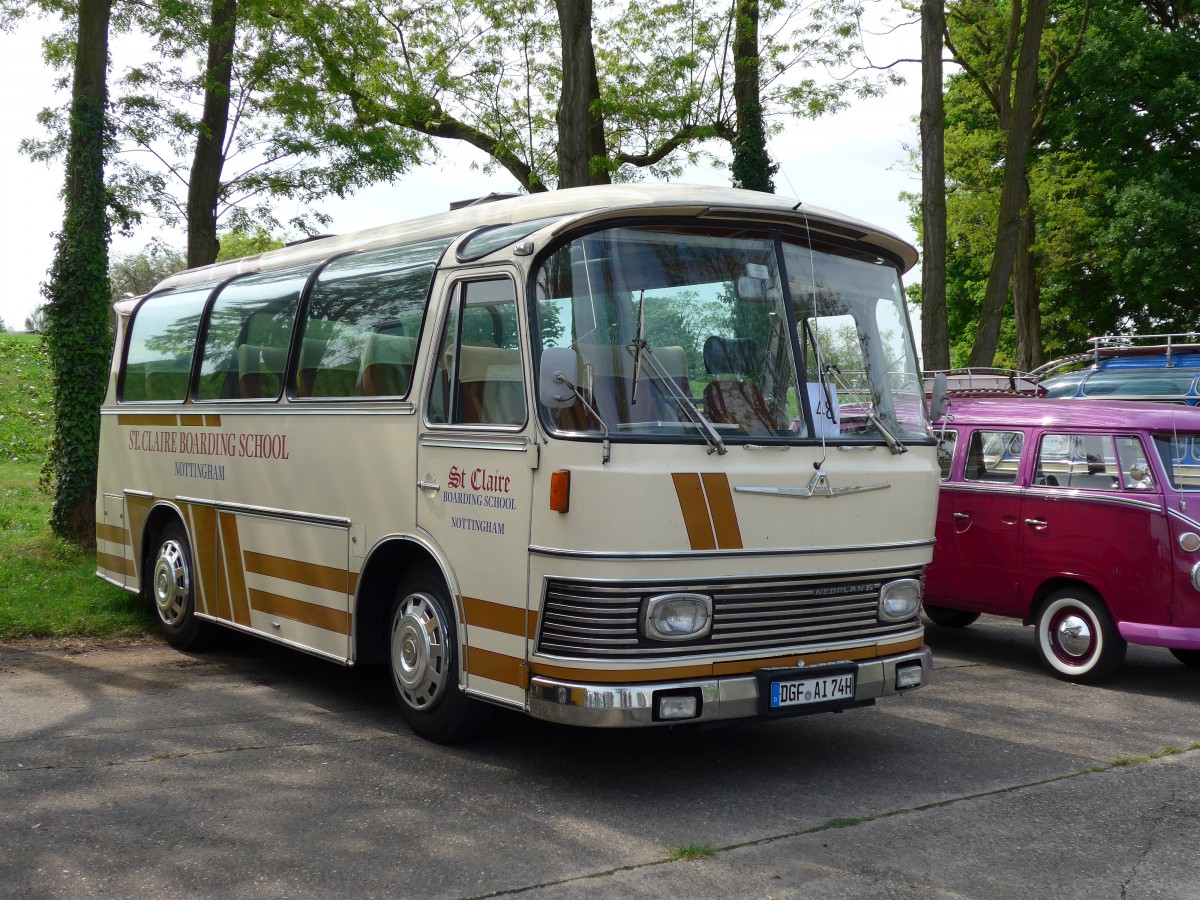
x: 491, y: 386
x: 387, y: 364
x: 259, y: 371
x: 735, y: 400
x: 166, y: 379
x: 311, y: 352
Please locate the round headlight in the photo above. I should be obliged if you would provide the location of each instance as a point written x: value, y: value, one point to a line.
x: 1189, y: 542
x: 1196, y: 576
x: 677, y: 617
x: 899, y: 600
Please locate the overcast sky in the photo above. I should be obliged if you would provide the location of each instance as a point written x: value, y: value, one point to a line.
x: 853, y: 162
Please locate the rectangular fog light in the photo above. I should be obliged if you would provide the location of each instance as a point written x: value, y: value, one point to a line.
x: 677, y: 707
x: 908, y: 676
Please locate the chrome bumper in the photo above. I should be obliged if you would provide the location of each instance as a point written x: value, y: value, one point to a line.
x: 633, y: 705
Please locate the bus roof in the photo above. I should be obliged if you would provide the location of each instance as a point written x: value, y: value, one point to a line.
x: 577, y: 204
x: 1087, y: 414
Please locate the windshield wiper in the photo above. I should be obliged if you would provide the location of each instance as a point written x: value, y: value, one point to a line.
x: 663, y: 377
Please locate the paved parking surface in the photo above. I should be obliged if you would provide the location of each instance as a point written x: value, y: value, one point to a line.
x: 255, y: 772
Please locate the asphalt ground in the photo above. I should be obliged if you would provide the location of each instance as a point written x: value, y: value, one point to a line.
x: 252, y: 771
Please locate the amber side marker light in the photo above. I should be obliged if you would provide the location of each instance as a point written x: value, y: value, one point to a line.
x: 560, y: 490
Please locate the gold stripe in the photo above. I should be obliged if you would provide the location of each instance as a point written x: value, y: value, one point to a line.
x: 313, y: 614
x: 208, y: 560
x: 233, y: 566
x: 499, y: 617
x: 311, y: 574
x: 212, y: 421
x: 114, y: 534
x: 614, y: 676
x: 695, y: 510
x: 495, y: 666
x: 136, y: 510
x: 147, y: 419
x: 724, y: 516
x: 112, y: 563
x: 192, y: 421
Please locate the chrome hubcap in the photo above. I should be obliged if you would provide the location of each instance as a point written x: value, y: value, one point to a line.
x: 1074, y: 635
x: 172, y: 583
x: 419, y: 653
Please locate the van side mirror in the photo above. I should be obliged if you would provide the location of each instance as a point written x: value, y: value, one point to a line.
x: 556, y: 377
x: 940, y: 397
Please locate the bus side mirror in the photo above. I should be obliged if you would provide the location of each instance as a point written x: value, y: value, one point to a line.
x: 556, y: 378
x: 939, y: 397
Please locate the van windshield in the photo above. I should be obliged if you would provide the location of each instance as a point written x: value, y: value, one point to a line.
x: 672, y: 323
x: 1180, y: 455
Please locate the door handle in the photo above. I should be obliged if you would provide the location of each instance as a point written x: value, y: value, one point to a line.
x: 962, y: 515
x: 1037, y: 523
x: 429, y: 485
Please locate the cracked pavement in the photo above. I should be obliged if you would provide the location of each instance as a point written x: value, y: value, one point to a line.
x: 257, y: 772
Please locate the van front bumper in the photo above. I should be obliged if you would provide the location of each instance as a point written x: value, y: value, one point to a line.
x: 737, y: 697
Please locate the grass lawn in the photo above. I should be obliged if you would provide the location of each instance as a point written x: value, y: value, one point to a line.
x: 48, y: 587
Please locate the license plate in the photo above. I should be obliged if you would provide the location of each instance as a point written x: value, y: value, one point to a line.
x: 822, y: 689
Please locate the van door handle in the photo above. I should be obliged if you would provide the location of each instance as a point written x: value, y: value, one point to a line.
x: 429, y: 485
x: 962, y: 515
x: 1037, y: 523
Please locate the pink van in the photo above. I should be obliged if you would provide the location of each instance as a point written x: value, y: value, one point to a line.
x: 1080, y: 518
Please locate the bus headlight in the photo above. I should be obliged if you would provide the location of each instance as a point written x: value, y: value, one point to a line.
x: 677, y: 617
x: 899, y: 600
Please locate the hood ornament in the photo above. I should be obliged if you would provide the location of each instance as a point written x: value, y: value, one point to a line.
x: 818, y: 486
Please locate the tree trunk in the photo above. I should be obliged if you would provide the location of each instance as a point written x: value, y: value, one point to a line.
x: 204, y: 186
x: 752, y: 167
x: 582, y: 152
x: 77, y: 315
x: 1026, y: 293
x: 1019, y: 136
x: 935, y: 328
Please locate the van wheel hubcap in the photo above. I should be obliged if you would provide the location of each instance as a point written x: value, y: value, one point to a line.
x: 1073, y: 637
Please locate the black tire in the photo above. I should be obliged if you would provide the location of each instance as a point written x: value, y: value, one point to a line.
x: 1187, y: 657
x: 423, y: 654
x: 950, y: 618
x: 1077, y: 638
x: 169, y: 584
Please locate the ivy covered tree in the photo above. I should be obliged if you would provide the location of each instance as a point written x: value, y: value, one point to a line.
x: 77, y: 292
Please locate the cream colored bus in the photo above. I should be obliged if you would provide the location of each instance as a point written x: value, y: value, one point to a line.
x: 612, y: 456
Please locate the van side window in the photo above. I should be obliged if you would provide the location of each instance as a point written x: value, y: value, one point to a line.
x: 247, y: 335
x: 1135, y: 471
x: 947, y: 440
x: 1086, y: 461
x: 480, y: 377
x: 994, y: 456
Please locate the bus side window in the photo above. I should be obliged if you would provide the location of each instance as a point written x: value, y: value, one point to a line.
x: 162, y: 341
x: 248, y: 333
x: 480, y: 375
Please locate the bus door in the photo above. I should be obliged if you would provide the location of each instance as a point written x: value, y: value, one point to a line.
x: 475, y: 466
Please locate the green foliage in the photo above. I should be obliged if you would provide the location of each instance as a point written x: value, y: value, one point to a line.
x: 752, y: 167
x: 138, y: 273
x: 25, y: 399
x: 692, y: 851
x: 236, y: 244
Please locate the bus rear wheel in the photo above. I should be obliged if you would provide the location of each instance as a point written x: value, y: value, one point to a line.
x: 423, y: 654
x: 171, y: 588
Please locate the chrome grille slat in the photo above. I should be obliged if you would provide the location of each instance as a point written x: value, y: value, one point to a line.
x: 600, y: 620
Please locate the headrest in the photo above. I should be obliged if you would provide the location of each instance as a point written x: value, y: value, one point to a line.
x: 731, y: 356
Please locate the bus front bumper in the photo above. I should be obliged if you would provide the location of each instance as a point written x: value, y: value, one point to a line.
x: 717, y: 699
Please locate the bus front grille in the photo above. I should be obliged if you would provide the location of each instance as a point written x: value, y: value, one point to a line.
x: 599, y: 619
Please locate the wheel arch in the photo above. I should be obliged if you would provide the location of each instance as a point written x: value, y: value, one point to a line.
x: 382, y: 571
x: 1050, y: 585
x: 160, y: 514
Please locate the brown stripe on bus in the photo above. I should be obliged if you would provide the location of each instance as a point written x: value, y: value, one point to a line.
x: 314, y: 614
x: 499, y: 617
x: 165, y: 421
x: 724, y: 516
x: 207, y: 560
x: 232, y: 546
x: 111, y: 563
x: 193, y: 421
x: 114, y: 534
x: 617, y: 676
x: 328, y: 577
x: 695, y: 510
x: 496, y: 667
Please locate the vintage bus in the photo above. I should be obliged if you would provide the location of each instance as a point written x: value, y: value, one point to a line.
x: 618, y: 456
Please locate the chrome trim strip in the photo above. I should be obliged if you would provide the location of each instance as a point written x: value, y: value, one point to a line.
x: 115, y: 583
x: 561, y: 553
x: 1175, y: 514
x: 518, y: 705
x: 132, y: 493
x: 225, y: 623
x: 1049, y: 493
x: 822, y: 489
x: 475, y: 442
x: 266, y: 512
x: 632, y: 705
x: 301, y: 408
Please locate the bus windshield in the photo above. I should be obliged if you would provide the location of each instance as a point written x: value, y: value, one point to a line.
x: 678, y: 328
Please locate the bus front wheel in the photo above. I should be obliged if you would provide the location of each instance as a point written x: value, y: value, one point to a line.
x: 171, y: 588
x: 423, y: 655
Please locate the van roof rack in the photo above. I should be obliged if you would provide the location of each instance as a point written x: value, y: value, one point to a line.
x: 1111, y: 346
x: 979, y: 381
